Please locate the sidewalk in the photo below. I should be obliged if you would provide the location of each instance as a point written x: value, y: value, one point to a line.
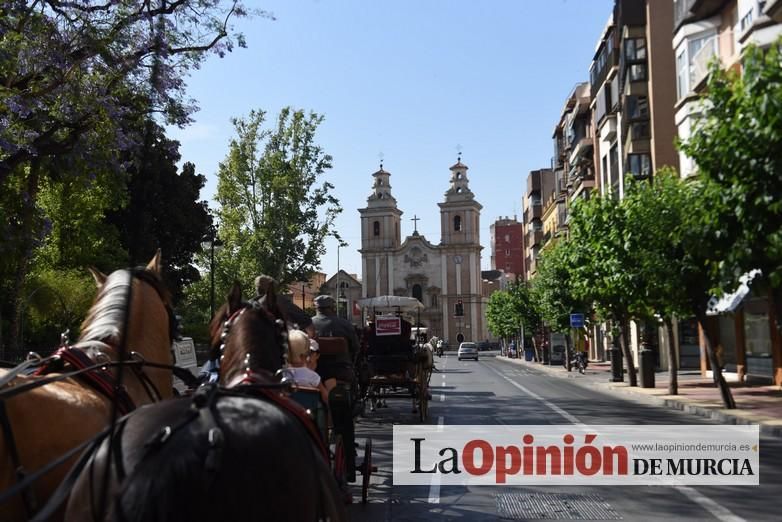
x: 759, y: 404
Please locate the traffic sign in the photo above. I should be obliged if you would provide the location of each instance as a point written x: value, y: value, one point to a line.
x: 576, y: 320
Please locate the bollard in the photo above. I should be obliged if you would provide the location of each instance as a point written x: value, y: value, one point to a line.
x: 646, y: 361
x: 617, y: 374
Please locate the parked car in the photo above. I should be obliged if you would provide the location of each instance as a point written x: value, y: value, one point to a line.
x: 484, y: 346
x: 467, y: 350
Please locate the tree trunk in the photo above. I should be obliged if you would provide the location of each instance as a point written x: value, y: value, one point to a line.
x: 716, y: 369
x: 535, y: 347
x: 567, y: 352
x: 626, y: 351
x: 673, y: 363
x: 25, y: 255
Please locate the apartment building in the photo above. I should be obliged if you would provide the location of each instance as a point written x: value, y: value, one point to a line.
x: 744, y: 331
x: 540, y: 184
x: 507, y: 247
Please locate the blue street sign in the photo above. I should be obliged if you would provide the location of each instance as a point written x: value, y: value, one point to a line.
x: 576, y: 320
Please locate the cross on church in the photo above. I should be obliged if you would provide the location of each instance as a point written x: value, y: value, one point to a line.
x: 415, y: 219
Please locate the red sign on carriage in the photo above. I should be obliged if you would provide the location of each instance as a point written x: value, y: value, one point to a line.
x: 388, y: 326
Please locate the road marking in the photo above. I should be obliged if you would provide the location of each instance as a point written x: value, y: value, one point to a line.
x: 442, y: 397
x: 720, y: 512
x: 434, y: 487
x: 534, y: 395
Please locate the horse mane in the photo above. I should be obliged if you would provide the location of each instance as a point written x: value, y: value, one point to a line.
x: 106, y: 316
x: 255, y: 334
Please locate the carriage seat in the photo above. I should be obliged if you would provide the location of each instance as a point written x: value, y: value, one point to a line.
x: 309, y: 399
x: 334, y: 361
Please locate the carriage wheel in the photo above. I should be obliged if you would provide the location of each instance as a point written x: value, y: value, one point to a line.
x: 366, y: 470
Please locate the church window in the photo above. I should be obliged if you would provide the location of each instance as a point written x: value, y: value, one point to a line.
x: 457, y: 223
x: 418, y: 292
x: 458, y: 175
x: 458, y: 190
x: 380, y: 183
x: 434, y: 300
x: 376, y: 228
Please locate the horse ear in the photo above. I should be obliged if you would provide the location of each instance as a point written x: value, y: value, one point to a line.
x: 97, y: 275
x: 154, y: 263
x: 235, y: 298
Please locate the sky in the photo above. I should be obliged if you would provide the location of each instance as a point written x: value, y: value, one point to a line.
x: 413, y: 82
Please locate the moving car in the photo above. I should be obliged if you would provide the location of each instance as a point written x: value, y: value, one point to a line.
x: 467, y: 350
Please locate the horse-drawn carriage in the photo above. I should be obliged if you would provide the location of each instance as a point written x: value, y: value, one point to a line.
x: 242, y: 449
x: 398, y: 361
x: 343, y: 405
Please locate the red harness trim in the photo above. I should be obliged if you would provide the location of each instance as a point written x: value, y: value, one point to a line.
x: 291, y: 407
x: 102, y: 381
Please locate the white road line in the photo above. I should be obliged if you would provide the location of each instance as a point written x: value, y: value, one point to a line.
x: 442, y: 397
x: 720, y: 512
x: 534, y: 395
x: 434, y: 487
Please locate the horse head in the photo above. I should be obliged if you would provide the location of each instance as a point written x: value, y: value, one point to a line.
x: 250, y: 337
x: 134, y: 304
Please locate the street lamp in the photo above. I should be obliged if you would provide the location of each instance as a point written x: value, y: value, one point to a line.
x: 214, y: 245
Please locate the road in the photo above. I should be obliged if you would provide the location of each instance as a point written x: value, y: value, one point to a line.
x: 492, y: 392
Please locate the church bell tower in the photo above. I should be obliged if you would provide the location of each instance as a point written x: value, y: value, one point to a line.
x: 380, y: 235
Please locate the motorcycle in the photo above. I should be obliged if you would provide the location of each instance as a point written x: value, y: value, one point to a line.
x: 578, y: 360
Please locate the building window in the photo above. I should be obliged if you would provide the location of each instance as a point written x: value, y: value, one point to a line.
x: 615, y: 177
x: 635, y: 49
x: 457, y: 223
x: 639, y: 165
x: 376, y: 228
x: 507, y: 238
x: 507, y: 252
x: 640, y: 130
x: 682, y: 74
x: 637, y: 107
x: 638, y: 72
x: 434, y: 300
x: 418, y: 292
x: 459, y: 309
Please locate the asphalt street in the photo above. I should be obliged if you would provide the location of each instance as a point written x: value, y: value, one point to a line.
x: 492, y: 392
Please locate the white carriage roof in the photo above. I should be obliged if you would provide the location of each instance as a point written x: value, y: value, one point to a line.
x: 391, y: 303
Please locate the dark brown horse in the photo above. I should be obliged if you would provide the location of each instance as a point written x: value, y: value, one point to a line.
x: 221, y: 454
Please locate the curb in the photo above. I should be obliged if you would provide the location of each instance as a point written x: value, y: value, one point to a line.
x: 719, y: 415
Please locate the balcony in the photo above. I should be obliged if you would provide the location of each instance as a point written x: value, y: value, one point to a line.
x: 533, y: 184
x: 681, y: 12
x: 533, y: 212
x: 582, y: 147
x: 699, y: 63
x: 535, y: 237
x: 700, y: 9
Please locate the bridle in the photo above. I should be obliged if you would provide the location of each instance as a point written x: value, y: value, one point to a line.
x: 248, y: 375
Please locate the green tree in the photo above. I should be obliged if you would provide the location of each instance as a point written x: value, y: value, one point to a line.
x: 163, y: 209
x: 275, y: 214
x: 501, y: 315
x: 601, y: 263
x: 553, y: 291
x: 737, y: 146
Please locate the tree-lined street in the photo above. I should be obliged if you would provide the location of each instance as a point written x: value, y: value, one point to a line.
x: 495, y: 391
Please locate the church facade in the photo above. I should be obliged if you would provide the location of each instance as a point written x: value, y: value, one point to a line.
x: 445, y: 277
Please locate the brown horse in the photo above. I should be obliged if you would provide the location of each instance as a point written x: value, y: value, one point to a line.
x: 49, y: 420
x: 242, y: 452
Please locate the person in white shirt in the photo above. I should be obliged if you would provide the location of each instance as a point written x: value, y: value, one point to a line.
x: 302, y: 361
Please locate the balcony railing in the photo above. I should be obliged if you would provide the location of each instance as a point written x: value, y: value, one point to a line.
x: 699, y: 63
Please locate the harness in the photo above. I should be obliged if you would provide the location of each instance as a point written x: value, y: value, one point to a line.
x: 95, y: 375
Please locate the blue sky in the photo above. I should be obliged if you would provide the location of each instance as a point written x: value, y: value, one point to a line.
x: 412, y: 80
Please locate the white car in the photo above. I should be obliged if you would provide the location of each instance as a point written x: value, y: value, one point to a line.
x: 467, y: 351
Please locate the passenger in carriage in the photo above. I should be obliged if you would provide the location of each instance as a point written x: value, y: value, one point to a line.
x: 303, y: 354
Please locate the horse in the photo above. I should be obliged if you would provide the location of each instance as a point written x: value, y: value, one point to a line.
x: 46, y: 422
x: 221, y: 454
